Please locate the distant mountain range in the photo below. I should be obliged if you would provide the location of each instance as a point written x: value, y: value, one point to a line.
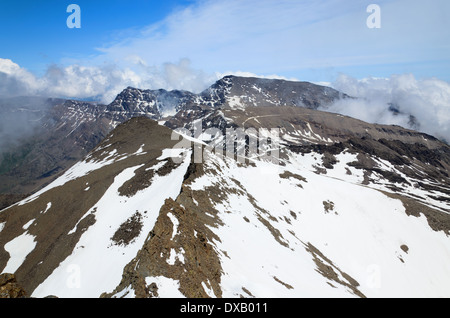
x: 52, y: 134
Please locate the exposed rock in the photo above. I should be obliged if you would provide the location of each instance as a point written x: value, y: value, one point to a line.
x: 9, y: 288
x: 128, y: 230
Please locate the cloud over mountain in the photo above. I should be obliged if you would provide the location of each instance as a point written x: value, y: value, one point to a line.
x: 102, y: 82
x: 395, y: 99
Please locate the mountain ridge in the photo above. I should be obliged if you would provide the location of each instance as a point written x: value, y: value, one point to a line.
x: 221, y: 227
x: 80, y: 125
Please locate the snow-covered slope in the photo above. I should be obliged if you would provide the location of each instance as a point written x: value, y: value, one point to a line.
x: 149, y: 214
x: 285, y: 231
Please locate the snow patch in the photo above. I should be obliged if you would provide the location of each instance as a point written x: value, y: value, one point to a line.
x: 167, y: 287
x: 171, y: 153
x: 18, y: 250
x: 175, y: 223
x: 28, y: 224
x: 49, y: 205
x: 174, y: 255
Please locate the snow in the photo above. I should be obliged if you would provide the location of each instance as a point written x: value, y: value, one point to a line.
x: 208, y: 290
x: 18, y: 250
x: 291, y: 138
x: 95, y: 245
x: 49, y: 205
x: 31, y: 198
x: 125, y: 293
x: 28, y: 224
x: 235, y: 102
x: 167, y: 287
x: 362, y: 236
x: 140, y: 151
x: 174, y: 255
x: 175, y: 223
x: 171, y: 153
x: 341, y: 169
x: 157, y: 166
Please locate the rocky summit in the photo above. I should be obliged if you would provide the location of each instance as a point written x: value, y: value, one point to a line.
x: 244, y: 190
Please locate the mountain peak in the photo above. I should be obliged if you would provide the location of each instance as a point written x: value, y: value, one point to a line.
x: 229, y: 91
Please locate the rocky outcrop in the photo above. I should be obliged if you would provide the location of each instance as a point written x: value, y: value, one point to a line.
x: 9, y: 287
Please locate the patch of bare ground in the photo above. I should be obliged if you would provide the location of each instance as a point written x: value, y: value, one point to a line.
x: 330, y: 271
x: 7, y: 200
x: 247, y: 292
x: 404, y: 248
x: 329, y: 207
x: 437, y: 220
x: 143, y: 177
x: 282, y: 283
x: 128, y: 230
x: 288, y: 174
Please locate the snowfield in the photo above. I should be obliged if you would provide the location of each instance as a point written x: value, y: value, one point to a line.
x: 77, y: 276
x: 362, y: 235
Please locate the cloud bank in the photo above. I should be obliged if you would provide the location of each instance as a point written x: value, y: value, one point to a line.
x: 103, y: 82
x: 394, y: 100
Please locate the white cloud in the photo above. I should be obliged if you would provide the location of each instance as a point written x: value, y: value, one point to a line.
x: 275, y: 37
x: 101, y: 82
x: 428, y: 100
x: 14, y: 79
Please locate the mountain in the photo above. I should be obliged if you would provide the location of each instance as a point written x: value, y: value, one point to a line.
x: 63, y: 132
x: 230, y: 91
x: 56, y: 133
x: 272, y: 201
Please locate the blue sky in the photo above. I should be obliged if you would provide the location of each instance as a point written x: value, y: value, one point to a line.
x: 34, y: 33
x: 187, y: 44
